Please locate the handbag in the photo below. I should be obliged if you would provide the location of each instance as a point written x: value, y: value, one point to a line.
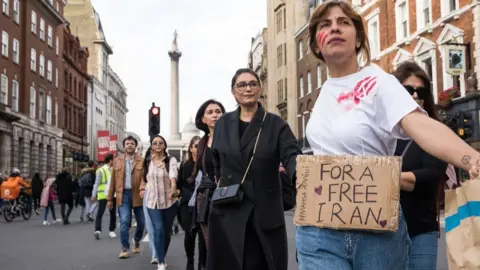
x: 232, y: 194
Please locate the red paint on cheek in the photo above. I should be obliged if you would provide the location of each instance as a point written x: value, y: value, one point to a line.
x: 321, y: 38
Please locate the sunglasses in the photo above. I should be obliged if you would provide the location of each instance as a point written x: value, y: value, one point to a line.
x: 421, y: 91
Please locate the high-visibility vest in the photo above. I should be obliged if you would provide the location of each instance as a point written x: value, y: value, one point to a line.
x: 103, y: 183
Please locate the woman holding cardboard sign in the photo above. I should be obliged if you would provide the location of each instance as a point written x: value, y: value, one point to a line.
x: 362, y: 111
x: 423, y: 175
x: 247, y: 223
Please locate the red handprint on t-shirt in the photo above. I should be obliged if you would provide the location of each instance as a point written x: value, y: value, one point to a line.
x: 361, y: 89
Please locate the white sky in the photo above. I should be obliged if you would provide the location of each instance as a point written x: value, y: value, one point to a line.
x: 213, y: 35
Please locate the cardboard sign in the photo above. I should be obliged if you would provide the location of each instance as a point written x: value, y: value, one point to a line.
x: 348, y: 192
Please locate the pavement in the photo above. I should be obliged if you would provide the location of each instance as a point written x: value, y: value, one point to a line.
x: 27, y: 245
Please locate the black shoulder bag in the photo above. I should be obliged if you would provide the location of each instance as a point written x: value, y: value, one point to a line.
x: 233, y: 193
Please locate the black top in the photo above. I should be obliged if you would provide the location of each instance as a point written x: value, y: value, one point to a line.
x: 420, y: 205
x: 185, y: 180
x: 243, y: 126
x: 208, y: 163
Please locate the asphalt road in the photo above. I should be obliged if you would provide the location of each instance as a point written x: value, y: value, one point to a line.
x: 27, y: 245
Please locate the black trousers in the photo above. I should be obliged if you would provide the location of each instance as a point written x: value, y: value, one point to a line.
x: 102, y: 206
x: 186, y: 222
x: 69, y: 203
x: 36, y: 202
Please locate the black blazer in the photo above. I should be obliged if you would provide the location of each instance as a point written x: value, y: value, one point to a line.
x: 262, y: 204
x: 420, y: 205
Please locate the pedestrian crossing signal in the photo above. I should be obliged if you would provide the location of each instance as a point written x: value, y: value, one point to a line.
x: 153, y: 121
x: 465, y: 130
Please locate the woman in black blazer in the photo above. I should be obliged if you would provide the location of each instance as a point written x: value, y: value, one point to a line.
x: 250, y: 234
x: 421, y: 176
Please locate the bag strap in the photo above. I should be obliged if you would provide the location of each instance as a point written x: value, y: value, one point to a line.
x: 204, y: 167
x: 254, y: 149
x: 406, y: 148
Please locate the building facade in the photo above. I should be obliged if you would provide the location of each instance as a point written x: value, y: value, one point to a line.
x: 75, y: 87
x: 116, y: 107
x: 107, y: 110
x: 96, y: 113
x: 31, y: 78
x: 284, y: 18
x: 425, y: 31
x: 257, y: 60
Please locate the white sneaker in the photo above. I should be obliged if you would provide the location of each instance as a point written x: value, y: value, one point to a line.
x: 97, y: 234
x: 57, y: 220
x: 112, y: 234
x: 154, y: 261
x: 145, y: 239
x: 45, y: 223
x: 161, y: 266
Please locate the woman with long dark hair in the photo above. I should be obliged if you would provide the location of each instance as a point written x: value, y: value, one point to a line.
x: 363, y: 111
x: 186, y: 183
x: 248, y: 231
x: 424, y: 173
x: 159, y: 186
x: 37, y: 187
x: 206, y: 118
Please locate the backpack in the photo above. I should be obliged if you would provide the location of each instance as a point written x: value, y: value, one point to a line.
x: 86, y: 180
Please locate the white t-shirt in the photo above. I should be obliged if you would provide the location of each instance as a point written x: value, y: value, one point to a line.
x: 359, y: 114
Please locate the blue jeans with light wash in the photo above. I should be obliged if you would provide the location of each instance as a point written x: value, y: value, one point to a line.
x: 327, y: 249
x: 423, y: 255
x: 162, y: 220
x: 125, y: 213
x: 149, y: 226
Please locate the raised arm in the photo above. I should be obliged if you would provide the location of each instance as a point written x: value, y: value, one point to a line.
x: 438, y: 140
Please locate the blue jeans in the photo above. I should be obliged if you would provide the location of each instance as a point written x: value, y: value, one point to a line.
x: 49, y: 207
x: 326, y: 249
x: 423, y: 254
x: 125, y: 213
x: 162, y: 220
x: 149, y: 226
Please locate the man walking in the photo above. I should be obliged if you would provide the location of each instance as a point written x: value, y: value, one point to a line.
x: 127, y: 175
x: 100, y: 193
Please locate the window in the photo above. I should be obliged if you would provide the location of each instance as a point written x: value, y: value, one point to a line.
x: 16, y: 51
x: 50, y: 36
x: 300, y: 83
x: 4, y: 43
x: 4, y: 89
x: 374, y: 35
x: 319, y: 76
x: 56, y: 77
x: 49, y: 110
x: 41, y: 106
x: 33, y: 102
x: 423, y: 13
x: 279, y: 16
x: 33, y: 59
x: 49, y: 70
x: 56, y: 114
x: 5, y: 7
x: 300, y: 49
x: 34, y: 22
x: 56, y: 45
x: 448, y: 6
x: 16, y: 11
x: 402, y: 19
x: 280, y: 92
x: 41, y: 67
x: 42, y: 29
x: 309, y: 82
x: 280, y: 56
x: 15, y: 97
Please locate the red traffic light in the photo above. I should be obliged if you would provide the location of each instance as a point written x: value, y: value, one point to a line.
x: 155, y: 110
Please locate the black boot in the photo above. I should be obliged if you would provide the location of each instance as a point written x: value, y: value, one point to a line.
x: 190, y: 264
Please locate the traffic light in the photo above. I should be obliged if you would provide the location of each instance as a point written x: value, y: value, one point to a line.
x: 465, y: 129
x: 153, y: 120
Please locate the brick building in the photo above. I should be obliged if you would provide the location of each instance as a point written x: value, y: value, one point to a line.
x: 32, y: 102
x: 75, y: 85
x: 419, y: 30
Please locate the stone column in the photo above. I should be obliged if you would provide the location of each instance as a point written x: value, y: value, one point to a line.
x: 175, y: 55
x: 35, y: 154
x: 43, y: 160
x: 52, y: 160
x: 15, y: 155
x: 59, y: 156
x: 5, y: 161
x: 24, y: 157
